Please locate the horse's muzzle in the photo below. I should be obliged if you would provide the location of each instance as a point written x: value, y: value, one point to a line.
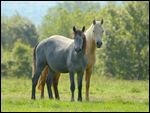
x: 78, y: 50
x: 99, y: 44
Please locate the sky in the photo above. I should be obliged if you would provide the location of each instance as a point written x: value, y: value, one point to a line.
x: 34, y: 10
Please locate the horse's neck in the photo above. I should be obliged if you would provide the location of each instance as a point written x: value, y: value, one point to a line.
x: 91, y: 47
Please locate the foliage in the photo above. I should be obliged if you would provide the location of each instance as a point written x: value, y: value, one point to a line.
x: 18, y: 61
x: 17, y: 27
x: 125, y: 50
x: 127, y: 46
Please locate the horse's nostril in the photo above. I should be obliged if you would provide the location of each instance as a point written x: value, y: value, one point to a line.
x: 77, y: 49
x: 99, y: 44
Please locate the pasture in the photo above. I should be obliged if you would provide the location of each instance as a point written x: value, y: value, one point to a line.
x: 106, y: 94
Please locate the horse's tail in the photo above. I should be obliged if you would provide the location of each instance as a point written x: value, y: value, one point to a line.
x: 42, y: 79
x: 34, y: 61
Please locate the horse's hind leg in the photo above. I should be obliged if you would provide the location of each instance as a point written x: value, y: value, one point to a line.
x: 35, y: 79
x: 42, y: 90
x: 55, y: 85
x: 49, y: 82
x: 43, y: 80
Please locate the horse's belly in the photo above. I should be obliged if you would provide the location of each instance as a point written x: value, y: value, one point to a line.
x: 58, y: 64
x: 60, y: 69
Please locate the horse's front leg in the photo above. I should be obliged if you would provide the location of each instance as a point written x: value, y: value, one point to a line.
x: 79, y: 79
x: 87, y: 79
x: 72, y: 86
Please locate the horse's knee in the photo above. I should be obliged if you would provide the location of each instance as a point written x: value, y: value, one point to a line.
x: 34, y: 81
x: 80, y: 86
x: 72, y: 87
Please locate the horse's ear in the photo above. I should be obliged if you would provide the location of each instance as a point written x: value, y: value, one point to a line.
x: 83, y: 29
x: 74, y: 28
x: 94, y: 22
x: 101, y: 21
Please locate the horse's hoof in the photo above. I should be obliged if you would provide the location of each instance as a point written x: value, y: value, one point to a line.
x: 42, y: 97
x: 51, y: 98
x: 87, y: 99
x: 57, y: 98
x: 72, y: 100
x: 33, y: 98
x: 80, y: 99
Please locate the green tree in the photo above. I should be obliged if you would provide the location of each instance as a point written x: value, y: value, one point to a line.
x: 22, y: 55
x: 18, y: 62
x: 126, y: 46
x: 17, y: 27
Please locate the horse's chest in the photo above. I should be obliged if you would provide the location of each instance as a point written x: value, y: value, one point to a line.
x: 77, y: 64
x: 91, y: 59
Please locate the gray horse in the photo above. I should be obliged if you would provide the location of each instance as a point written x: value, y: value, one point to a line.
x: 62, y: 55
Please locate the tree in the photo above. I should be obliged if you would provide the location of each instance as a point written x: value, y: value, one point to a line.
x: 18, y: 62
x: 17, y: 27
x: 127, y: 45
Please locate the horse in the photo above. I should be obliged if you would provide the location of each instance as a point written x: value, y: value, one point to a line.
x: 93, y: 39
x: 61, y: 55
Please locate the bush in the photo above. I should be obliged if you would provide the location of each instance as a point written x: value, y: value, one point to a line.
x: 19, y: 61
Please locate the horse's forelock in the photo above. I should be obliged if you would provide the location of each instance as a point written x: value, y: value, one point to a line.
x: 84, y: 45
x: 79, y: 32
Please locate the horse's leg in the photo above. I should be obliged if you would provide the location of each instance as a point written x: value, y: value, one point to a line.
x: 55, y: 85
x: 35, y: 79
x: 72, y: 86
x: 43, y: 81
x: 79, y: 79
x: 42, y: 90
x: 49, y: 82
x: 87, y: 78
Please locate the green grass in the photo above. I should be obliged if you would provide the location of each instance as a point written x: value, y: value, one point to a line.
x: 106, y: 94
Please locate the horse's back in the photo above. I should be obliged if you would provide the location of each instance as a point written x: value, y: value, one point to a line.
x: 55, y: 50
x: 62, y: 38
x: 54, y: 42
x: 59, y: 40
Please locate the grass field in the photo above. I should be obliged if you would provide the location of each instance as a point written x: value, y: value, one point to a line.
x: 106, y: 94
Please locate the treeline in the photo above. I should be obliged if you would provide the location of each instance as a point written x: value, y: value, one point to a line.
x: 125, y: 50
x: 18, y: 36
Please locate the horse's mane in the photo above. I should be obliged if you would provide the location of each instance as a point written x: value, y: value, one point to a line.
x: 84, y: 45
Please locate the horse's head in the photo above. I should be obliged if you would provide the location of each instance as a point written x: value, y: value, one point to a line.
x: 79, y: 40
x: 98, y: 32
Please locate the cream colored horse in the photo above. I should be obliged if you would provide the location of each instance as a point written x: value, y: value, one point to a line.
x: 94, y: 39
